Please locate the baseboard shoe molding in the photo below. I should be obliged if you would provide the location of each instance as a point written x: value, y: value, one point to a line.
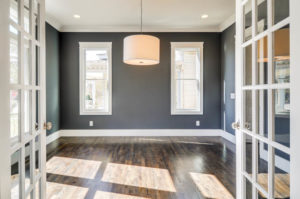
x: 52, y: 137
x: 141, y: 132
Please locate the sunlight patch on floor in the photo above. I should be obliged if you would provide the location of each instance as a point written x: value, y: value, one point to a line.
x: 138, y: 176
x: 73, y: 167
x: 109, y: 195
x: 62, y: 191
x: 210, y: 186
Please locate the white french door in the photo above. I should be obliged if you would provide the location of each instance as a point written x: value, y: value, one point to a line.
x: 266, y: 99
x: 23, y: 96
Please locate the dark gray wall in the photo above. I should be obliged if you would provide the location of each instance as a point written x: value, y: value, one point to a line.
x: 227, y: 77
x: 141, y: 95
x: 52, y: 78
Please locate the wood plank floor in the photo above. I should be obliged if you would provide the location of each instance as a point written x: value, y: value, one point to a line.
x: 140, y: 168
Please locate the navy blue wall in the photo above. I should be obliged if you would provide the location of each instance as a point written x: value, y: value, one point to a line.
x: 228, y: 78
x: 52, y: 78
x: 141, y: 95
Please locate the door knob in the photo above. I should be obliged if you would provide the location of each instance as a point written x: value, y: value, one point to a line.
x: 235, y: 125
x: 48, y: 126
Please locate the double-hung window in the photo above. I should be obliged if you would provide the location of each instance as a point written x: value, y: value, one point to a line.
x: 95, y: 78
x: 187, y: 78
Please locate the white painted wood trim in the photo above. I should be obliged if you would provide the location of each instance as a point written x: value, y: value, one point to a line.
x: 140, y: 132
x: 227, y: 23
x: 52, y: 137
x: 53, y: 22
x: 295, y: 98
x: 85, y: 28
x: 229, y: 137
x: 97, y: 45
x: 175, y: 45
x: 4, y: 105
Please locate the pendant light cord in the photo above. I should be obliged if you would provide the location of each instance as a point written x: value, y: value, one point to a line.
x: 141, y: 16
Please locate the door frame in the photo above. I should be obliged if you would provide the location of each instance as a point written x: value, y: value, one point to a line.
x: 295, y: 98
x: 5, y: 140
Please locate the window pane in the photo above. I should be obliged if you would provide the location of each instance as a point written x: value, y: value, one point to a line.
x: 27, y: 15
x: 282, y: 116
x: 27, y: 61
x: 96, y: 94
x: 262, y: 16
x: 36, y: 15
x: 14, y: 55
x: 15, y: 175
x: 248, y: 20
x: 187, y: 63
x: 96, y: 64
x: 248, y: 110
x: 282, y: 174
x: 27, y: 111
x: 15, y: 114
x: 281, y: 56
x: 14, y: 10
x: 248, y: 65
x: 28, y: 164
x: 281, y: 10
x: 187, y: 95
x: 262, y: 61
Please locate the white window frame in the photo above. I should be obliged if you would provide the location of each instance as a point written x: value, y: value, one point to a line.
x: 94, y: 45
x: 175, y: 45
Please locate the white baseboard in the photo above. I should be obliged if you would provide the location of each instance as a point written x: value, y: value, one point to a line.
x: 280, y: 162
x: 229, y: 137
x: 141, y: 132
x: 52, y: 137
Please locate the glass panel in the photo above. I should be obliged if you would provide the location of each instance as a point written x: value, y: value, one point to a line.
x: 282, y: 175
x: 248, y: 20
x: 187, y: 63
x: 248, y: 65
x: 248, y: 154
x: 37, y: 112
x: 37, y: 65
x: 281, y: 10
x: 262, y: 16
x: 282, y: 116
x: 262, y: 167
x: 96, y: 64
x: 248, y: 110
x: 248, y: 191
x: 36, y: 15
x: 96, y: 94
x: 281, y: 55
x: 14, y: 10
x: 37, y: 154
x: 187, y: 95
x: 262, y: 61
x: 15, y: 115
x: 27, y: 16
x: 14, y: 55
x: 28, y: 163
x: 262, y: 112
x: 15, y: 175
x: 27, y: 112
x: 27, y: 61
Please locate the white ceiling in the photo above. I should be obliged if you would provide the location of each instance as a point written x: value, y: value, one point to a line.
x: 124, y: 15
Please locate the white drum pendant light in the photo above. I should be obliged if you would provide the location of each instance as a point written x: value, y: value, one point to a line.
x: 141, y: 49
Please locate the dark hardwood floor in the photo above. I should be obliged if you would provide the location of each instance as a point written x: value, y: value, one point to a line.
x: 173, y: 167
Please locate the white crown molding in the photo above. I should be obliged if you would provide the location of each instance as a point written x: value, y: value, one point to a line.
x: 228, y: 22
x: 135, y: 29
x: 53, y: 22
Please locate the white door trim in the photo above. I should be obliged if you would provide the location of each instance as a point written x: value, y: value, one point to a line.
x: 4, y: 105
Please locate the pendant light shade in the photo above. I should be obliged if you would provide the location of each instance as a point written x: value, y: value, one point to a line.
x: 141, y: 50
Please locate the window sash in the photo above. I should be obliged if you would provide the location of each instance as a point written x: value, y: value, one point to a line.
x: 196, y: 97
x: 100, y: 97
